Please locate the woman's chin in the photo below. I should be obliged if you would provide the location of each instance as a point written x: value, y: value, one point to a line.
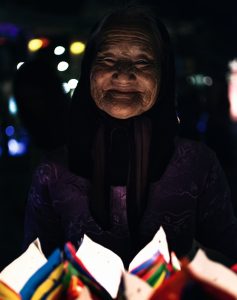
x: 122, y: 113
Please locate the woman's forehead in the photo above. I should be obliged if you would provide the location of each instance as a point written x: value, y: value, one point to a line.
x: 128, y: 24
x: 130, y: 35
x: 127, y: 33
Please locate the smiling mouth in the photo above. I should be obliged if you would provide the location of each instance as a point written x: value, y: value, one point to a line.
x: 122, y: 94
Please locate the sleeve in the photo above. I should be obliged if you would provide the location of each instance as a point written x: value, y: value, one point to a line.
x: 40, y: 218
x: 216, y: 222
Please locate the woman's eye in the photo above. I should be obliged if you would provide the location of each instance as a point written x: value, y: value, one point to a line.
x: 142, y: 62
x: 107, y: 60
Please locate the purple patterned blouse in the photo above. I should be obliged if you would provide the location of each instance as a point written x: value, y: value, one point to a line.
x: 191, y: 201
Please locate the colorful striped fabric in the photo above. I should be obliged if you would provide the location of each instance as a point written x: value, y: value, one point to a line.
x: 6, y: 293
x: 65, y: 277
x: 54, y: 261
x: 49, y: 284
x: 155, y: 270
x: 97, y: 291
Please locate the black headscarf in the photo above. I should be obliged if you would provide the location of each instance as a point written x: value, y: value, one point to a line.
x: 131, y: 152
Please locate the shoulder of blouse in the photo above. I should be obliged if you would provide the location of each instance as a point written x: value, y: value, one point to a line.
x: 51, y: 167
x: 192, y: 159
x: 194, y: 149
x: 54, y: 170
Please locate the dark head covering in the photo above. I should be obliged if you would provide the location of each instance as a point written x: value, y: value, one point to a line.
x: 131, y: 152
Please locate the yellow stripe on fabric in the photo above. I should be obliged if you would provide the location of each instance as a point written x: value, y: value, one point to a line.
x: 160, y: 280
x: 46, y: 285
x: 6, y: 293
x: 55, y: 294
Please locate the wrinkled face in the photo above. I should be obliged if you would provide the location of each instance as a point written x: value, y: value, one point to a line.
x: 124, y: 78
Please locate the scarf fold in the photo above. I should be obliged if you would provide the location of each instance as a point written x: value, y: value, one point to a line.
x: 121, y: 154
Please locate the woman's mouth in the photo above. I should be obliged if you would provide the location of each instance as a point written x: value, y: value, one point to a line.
x: 125, y: 93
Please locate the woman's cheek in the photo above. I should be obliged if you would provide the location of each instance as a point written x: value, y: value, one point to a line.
x: 97, y: 78
x: 93, y: 87
x: 93, y: 77
x: 94, y: 80
x: 96, y: 87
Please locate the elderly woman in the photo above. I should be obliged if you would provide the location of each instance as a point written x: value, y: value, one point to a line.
x: 126, y: 172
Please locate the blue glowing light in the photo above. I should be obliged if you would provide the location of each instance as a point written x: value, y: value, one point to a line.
x: 9, y: 30
x: 202, y: 123
x: 10, y: 130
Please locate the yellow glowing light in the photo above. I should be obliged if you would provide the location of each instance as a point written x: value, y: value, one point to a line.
x: 77, y: 47
x: 35, y: 44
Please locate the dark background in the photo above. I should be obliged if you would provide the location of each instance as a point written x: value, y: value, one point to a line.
x: 204, y: 35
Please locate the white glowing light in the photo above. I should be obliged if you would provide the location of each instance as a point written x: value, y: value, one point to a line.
x: 66, y: 87
x: 232, y: 91
x: 62, y: 66
x: 59, y: 50
x: 178, y: 119
x: 233, y: 65
x: 72, y: 83
x: 199, y: 80
x: 16, y: 148
x: 12, y: 106
x: 207, y: 80
x: 19, y: 65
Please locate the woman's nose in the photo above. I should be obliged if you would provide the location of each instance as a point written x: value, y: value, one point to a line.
x: 124, y: 71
